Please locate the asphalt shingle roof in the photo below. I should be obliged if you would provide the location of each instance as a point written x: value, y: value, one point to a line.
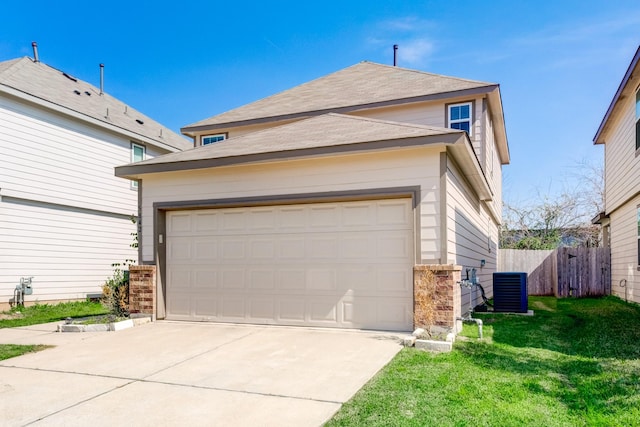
x: 362, y: 84
x: 328, y: 130
x: 44, y: 82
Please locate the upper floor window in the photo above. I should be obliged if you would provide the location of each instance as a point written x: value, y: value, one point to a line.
x: 138, y: 153
x: 460, y: 116
x: 638, y: 120
x: 210, y: 139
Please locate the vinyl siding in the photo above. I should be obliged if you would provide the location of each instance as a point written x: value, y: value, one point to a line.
x: 68, y: 251
x: 64, y: 216
x: 622, y: 167
x: 624, y: 250
x: 472, y: 234
x: 398, y: 168
x: 47, y: 158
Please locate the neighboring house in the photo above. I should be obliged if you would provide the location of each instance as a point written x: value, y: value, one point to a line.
x: 312, y: 206
x: 619, y: 131
x: 64, y: 216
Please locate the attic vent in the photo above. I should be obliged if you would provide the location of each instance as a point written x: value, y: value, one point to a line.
x: 77, y: 92
x: 69, y: 77
x: 139, y: 121
x: 86, y: 92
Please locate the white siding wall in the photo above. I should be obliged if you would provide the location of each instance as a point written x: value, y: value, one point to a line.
x: 398, y: 168
x: 52, y: 159
x: 622, y: 180
x: 64, y: 216
x: 472, y: 234
x: 622, y: 167
x: 624, y: 251
x: 68, y: 252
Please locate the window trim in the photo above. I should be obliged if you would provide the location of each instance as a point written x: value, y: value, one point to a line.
x: 224, y: 135
x: 637, y: 121
x: 449, y: 121
x: 638, y: 233
x: 134, y: 183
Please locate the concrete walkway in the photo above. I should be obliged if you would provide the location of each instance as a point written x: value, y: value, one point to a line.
x: 195, y: 374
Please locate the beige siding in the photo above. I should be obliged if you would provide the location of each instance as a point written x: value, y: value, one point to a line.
x: 622, y: 167
x: 399, y: 168
x: 491, y: 165
x: 624, y: 251
x: 472, y: 234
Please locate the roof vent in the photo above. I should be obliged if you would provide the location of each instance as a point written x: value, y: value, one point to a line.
x: 77, y: 92
x: 139, y: 121
x: 69, y: 77
x: 86, y: 92
x: 36, y: 58
x: 101, y: 79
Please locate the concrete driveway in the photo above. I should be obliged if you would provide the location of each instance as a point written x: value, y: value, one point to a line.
x: 180, y: 373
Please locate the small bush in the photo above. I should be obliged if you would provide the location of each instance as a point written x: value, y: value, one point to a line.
x: 115, y: 291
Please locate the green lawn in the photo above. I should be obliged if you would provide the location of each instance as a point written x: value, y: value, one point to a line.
x: 45, y: 313
x: 13, y: 350
x: 42, y: 313
x: 575, y: 363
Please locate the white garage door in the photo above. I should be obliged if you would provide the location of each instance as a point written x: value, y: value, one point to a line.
x: 342, y: 265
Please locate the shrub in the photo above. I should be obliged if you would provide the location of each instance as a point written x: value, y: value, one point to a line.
x: 115, y: 291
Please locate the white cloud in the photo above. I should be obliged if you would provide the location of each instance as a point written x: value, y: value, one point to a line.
x: 411, y: 34
x: 414, y: 52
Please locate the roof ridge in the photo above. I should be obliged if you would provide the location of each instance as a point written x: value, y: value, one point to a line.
x: 444, y: 76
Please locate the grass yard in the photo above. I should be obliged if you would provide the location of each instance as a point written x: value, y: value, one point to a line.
x: 42, y: 313
x: 575, y: 363
x: 45, y: 313
x: 13, y: 350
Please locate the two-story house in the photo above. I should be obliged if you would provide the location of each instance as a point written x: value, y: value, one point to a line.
x: 619, y: 131
x: 312, y: 206
x: 64, y: 216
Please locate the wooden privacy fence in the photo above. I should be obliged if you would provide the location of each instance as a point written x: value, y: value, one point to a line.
x: 563, y: 272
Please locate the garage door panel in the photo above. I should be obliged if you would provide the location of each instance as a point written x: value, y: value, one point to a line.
x: 394, y: 280
x: 206, y: 222
x: 292, y: 248
x: 233, y: 220
x: 291, y: 310
x: 262, y: 279
x: 319, y: 279
x: 291, y: 279
x: 346, y: 264
x: 204, y: 249
x: 323, y: 311
x: 206, y: 307
x: 180, y: 249
x: 394, y: 213
x: 232, y: 278
x: 323, y: 247
x: 179, y: 222
x: 262, y: 249
x: 233, y: 307
x: 233, y: 248
x: 204, y: 278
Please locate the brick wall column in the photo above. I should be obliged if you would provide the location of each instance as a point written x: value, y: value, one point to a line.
x: 437, y: 295
x: 142, y: 289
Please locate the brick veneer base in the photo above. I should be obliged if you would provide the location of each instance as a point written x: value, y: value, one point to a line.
x: 436, y: 295
x: 142, y: 289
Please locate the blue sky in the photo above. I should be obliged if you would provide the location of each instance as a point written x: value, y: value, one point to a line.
x: 558, y: 62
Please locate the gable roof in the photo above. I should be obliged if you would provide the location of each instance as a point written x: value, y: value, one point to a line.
x: 629, y: 77
x: 48, y: 87
x: 364, y: 85
x: 327, y: 134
